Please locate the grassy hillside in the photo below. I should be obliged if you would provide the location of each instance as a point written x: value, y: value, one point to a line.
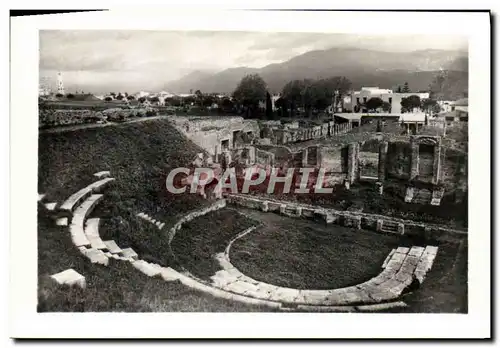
x: 137, y: 155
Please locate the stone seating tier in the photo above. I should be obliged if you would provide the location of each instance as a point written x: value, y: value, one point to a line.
x: 70, y: 204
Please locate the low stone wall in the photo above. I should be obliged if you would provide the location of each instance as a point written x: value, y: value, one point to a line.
x: 349, y: 219
x: 190, y: 216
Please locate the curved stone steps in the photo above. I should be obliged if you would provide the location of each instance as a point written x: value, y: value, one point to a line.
x: 241, y: 287
x: 397, y: 275
x: 76, y: 228
x: 70, y: 204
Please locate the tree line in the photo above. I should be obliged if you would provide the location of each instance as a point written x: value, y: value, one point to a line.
x: 313, y: 96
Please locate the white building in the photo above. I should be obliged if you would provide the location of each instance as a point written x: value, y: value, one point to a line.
x: 359, y: 98
x: 60, y: 84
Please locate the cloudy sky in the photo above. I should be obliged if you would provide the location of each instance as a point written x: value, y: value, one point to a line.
x: 103, y: 61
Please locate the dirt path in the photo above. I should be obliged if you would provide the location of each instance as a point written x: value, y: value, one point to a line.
x: 97, y: 125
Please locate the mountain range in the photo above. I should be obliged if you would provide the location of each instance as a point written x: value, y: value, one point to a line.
x: 362, y: 66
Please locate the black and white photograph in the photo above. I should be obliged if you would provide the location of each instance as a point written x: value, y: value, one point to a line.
x: 213, y: 170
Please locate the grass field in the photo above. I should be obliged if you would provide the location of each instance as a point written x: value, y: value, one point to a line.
x: 196, y: 243
x: 302, y: 254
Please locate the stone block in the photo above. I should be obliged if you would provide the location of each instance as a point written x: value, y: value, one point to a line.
x: 92, y: 227
x: 382, y: 295
x: 380, y: 223
x: 146, y: 268
x: 69, y: 277
x: 129, y: 253
x: 97, y: 256
x: 41, y: 196
x: 284, y: 295
x: 96, y: 243
x: 112, y: 246
x: 273, y: 206
x: 51, y: 206
x: 283, y: 209
x: 409, y: 194
x: 381, y: 306
x: 264, y: 206
x: 62, y: 221
x: 108, y: 254
x: 402, y: 250
x: 388, y: 258
x: 169, y: 274
x: 78, y: 236
x: 240, y: 287
x: 416, y: 251
x: 316, y: 297
x: 401, y: 228
x: 103, y: 174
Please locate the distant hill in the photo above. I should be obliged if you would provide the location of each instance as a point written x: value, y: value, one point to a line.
x: 363, y: 67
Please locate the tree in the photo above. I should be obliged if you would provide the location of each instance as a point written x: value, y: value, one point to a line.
x: 409, y: 103
x: 227, y: 104
x: 386, y: 106
x: 207, y: 100
x: 130, y: 97
x: 119, y: 96
x: 70, y: 95
x: 108, y: 99
x: 338, y: 86
x: 428, y: 105
x: 374, y: 103
x: 309, y: 96
x: 269, y: 106
x: 141, y: 100
x: 292, y: 92
x: 282, y: 105
x: 199, y: 97
x: 113, y: 94
x: 154, y: 99
x: 399, y: 90
x: 406, y: 88
x: 249, y: 92
x: 59, y: 95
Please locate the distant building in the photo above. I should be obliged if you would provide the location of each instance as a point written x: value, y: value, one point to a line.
x: 60, y: 84
x: 142, y: 94
x: 359, y: 98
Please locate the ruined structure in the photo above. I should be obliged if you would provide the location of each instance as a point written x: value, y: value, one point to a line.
x: 217, y: 134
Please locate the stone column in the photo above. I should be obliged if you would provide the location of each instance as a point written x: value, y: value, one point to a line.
x: 319, y: 156
x: 436, y: 166
x: 414, y: 159
x: 352, y: 160
x: 407, y: 128
x: 251, y: 154
x: 216, y: 154
x: 305, y: 153
x: 382, y: 159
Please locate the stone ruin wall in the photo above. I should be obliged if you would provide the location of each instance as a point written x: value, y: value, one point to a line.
x: 210, y: 132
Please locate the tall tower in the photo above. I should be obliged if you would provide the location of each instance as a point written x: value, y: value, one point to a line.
x: 60, y: 85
